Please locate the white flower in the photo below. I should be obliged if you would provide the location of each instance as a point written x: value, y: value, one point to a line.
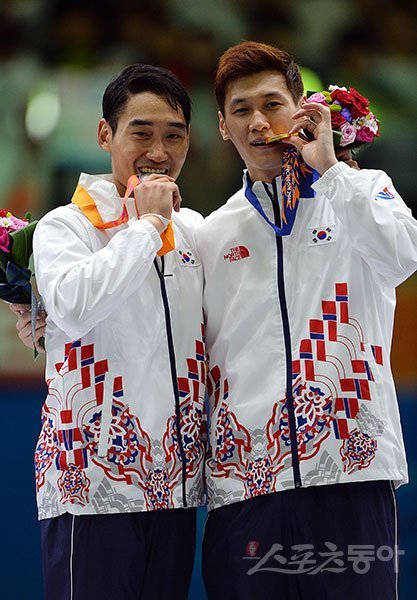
x: 5, y: 222
x: 332, y: 88
x: 367, y: 121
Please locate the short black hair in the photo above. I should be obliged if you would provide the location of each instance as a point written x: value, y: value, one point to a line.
x: 249, y: 58
x: 139, y: 78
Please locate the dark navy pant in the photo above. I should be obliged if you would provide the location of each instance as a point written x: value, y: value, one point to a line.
x: 334, y: 542
x: 125, y: 556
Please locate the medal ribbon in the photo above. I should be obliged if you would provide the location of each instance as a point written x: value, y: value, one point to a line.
x: 296, y: 180
x: 86, y: 204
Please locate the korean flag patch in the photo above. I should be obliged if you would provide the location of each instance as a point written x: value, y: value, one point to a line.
x: 321, y: 235
x: 187, y: 258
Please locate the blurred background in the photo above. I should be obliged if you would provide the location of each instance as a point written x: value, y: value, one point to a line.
x: 57, y: 57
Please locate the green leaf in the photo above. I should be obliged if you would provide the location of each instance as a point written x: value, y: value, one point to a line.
x: 337, y: 136
x: 22, y: 244
x: 357, y: 147
x: 4, y: 259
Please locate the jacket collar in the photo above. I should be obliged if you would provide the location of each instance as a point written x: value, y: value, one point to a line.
x: 263, y: 190
x: 259, y: 194
x: 103, y: 191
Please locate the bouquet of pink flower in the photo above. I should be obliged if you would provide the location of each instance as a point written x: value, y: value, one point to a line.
x: 353, y: 124
x: 15, y: 253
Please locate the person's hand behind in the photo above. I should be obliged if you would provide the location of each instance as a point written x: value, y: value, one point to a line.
x: 344, y: 155
x: 24, y: 325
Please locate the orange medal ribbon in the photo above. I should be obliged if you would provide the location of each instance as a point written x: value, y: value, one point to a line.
x: 86, y: 204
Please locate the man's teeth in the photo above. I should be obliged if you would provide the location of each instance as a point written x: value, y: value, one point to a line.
x: 259, y: 143
x: 150, y: 171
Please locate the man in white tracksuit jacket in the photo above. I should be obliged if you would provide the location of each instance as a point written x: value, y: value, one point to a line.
x: 305, y: 438
x: 120, y: 457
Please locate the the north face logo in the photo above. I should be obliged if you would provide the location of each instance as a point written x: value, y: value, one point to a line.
x: 237, y: 253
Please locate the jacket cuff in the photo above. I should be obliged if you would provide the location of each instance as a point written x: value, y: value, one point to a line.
x: 322, y: 184
x: 147, y: 228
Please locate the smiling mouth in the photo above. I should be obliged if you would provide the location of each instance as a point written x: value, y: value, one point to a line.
x: 151, y: 171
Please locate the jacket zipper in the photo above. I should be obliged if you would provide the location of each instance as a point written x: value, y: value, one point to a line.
x: 172, y: 360
x: 287, y: 338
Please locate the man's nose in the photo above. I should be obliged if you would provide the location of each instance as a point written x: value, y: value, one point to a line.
x: 259, y: 121
x: 157, y: 152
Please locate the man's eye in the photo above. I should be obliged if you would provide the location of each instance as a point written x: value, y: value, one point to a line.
x: 141, y: 134
x: 273, y: 104
x: 240, y: 111
x: 174, y: 136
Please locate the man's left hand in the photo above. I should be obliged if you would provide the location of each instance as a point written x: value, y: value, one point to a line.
x: 24, y: 325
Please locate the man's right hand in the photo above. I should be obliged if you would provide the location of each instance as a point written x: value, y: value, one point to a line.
x: 24, y: 325
x: 158, y: 194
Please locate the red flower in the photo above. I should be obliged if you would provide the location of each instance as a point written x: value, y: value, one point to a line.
x: 356, y: 103
x: 3, y: 212
x: 365, y: 135
x: 4, y: 240
x: 358, y: 97
x: 337, y: 120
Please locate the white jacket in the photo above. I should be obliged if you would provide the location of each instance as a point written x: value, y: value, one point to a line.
x: 298, y: 332
x: 123, y: 422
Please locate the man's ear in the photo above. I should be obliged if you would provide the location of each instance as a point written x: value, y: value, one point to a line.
x: 104, y: 135
x: 222, y: 127
x: 188, y: 136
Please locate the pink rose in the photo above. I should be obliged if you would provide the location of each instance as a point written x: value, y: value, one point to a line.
x: 16, y: 223
x: 317, y: 97
x: 373, y: 123
x: 348, y: 134
x: 4, y: 239
x: 365, y: 134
